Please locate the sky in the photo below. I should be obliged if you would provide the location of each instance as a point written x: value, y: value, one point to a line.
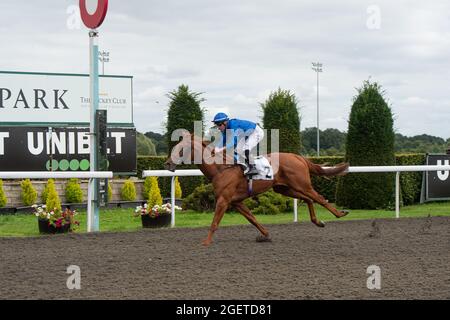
x: 237, y: 52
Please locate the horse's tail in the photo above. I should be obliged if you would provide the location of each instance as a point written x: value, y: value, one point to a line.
x: 318, y: 170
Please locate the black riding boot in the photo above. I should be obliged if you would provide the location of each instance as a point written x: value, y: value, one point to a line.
x: 251, y: 166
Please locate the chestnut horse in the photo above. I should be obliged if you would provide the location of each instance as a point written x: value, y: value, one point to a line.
x: 292, y: 179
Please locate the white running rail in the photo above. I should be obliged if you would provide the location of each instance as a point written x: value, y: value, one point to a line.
x: 366, y: 169
x: 61, y: 175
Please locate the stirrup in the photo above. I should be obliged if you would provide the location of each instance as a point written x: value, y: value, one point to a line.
x: 251, y: 170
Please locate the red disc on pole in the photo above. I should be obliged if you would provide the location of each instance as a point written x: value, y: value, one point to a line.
x: 91, y: 14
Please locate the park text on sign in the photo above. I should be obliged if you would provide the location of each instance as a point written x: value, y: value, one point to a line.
x: 36, y: 98
x: 93, y: 12
x: 63, y: 149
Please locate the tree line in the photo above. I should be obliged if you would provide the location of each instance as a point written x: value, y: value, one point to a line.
x: 369, y: 141
x: 332, y: 143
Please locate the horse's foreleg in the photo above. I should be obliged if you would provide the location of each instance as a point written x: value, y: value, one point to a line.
x: 245, y: 211
x: 221, y: 207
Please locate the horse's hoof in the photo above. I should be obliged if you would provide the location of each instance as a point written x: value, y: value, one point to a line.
x: 320, y: 224
x: 261, y: 238
x: 344, y: 213
x: 206, y: 243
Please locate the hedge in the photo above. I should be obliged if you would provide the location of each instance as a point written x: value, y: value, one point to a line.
x: 411, y: 183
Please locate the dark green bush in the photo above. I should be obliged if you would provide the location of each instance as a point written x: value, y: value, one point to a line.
x: 370, y: 142
x: 326, y: 186
x: 184, y: 110
x: 280, y: 112
x: 410, y: 182
x: 269, y: 202
x: 201, y: 199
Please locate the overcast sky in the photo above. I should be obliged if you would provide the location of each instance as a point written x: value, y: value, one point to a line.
x: 238, y: 51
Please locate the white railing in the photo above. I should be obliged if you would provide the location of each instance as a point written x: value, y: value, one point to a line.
x: 167, y: 173
x: 368, y: 169
x: 397, y: 170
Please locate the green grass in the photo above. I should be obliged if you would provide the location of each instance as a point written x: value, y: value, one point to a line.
x: 22, y: 225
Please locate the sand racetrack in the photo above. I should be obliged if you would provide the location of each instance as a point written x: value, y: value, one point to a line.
x: 302, y: 262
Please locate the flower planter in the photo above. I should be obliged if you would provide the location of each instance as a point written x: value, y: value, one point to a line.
x: 159, y: 222
x: 45, y: 228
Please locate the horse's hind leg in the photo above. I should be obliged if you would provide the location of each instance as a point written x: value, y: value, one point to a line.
x: 316, y: 197
x: 312, y: 213
x: 245, y: 211
x: 297, y: 195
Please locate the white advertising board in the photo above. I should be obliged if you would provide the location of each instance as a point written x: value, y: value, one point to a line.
x: 50, y: 98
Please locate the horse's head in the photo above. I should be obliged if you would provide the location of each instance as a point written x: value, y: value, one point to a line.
x: 184, y: 151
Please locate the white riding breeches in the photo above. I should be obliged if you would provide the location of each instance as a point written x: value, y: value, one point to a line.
x: 250, y: 142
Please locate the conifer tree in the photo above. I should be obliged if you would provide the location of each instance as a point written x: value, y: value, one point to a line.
x: 370, y: 142
x: 154, y: 197
x: 184, y: 110
x: 128, y: 191
x: 280, y: 112
x: 178, y: 191
x: 29, y: 193
x: 74, y: 194
x: 3, y: 199
x: 53, y: 202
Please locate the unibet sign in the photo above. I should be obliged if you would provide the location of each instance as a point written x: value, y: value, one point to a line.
x: 63, y: 149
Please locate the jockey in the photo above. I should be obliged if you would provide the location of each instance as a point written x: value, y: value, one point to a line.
x: 240, y: 129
